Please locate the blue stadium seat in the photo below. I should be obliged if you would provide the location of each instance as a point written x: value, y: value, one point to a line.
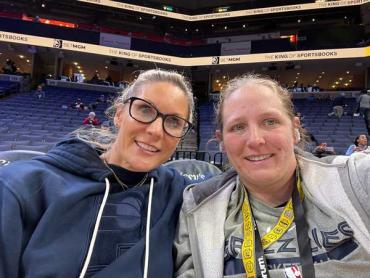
x: 194, y: 170
x: 7, y: 157
x: 37, y: 148
x: 5, y: 147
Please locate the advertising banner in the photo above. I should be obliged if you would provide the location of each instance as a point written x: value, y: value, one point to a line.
x: 117, y: 41
x: 360, y: 52
x: 236, y: 48
x: 231, y: 14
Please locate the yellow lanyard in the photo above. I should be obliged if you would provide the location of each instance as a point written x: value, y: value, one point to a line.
x: 248, y: 247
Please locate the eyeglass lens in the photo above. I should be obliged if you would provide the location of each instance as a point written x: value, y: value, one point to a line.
x: 144, y: 112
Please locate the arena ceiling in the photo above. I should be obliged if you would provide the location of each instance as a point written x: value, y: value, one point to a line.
x: 82, y: 11
x: 194, y: 5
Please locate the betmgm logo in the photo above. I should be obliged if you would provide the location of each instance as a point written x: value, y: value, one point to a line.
x: 58, y: 43
x: 215, y: 60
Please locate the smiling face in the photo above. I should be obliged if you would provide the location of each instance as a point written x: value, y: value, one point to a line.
x: 362, y: 140
x: 258, y: 137
x: 142, y: 147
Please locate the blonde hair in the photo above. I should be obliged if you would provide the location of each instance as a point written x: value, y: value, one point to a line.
x: 103, y: 138
x: 152, y: 76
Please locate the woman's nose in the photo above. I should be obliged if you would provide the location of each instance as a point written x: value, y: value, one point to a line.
x: 255, y: 137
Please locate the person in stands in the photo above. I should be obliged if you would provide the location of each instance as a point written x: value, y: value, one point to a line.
x: 323, y: 150
x: 78, y: 104
x: 279, y: 212
x: 91, y: 119
x: 94, y: 207
x: 40, y: 93
x: 359, y: 145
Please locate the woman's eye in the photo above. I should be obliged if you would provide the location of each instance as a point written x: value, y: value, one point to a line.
x: 173, y: 122
x: 238, y: 127
x: 145, y: 109
x: 270, y: 122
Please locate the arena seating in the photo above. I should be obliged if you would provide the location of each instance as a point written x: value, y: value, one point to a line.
x: 338, y: 133
x: 30, y: 123
x: 7, y: 157
x: 194, y: 170
x: 8, y: 87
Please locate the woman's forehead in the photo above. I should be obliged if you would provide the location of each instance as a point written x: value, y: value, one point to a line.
x: 164, y: 96
x: 158, y: 87
x: 252, y: 94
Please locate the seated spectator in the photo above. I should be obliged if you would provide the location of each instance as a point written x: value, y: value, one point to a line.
x: 79, y: 105
x: 91, y: 119
x: 338, y: 106
x: 359, y: 145
x: 323, y: 150
x: 40, y: 93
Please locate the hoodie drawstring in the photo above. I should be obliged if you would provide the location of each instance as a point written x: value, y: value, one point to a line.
x: 97, y: 223
x: 96, y: 228
x: 147, y: 230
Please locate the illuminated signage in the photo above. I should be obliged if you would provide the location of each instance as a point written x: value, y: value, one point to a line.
x: 168, y: 8
x: 224, y: 13
x: 360, y: 52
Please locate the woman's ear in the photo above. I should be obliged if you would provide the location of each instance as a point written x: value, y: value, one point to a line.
x: 297, y: 122
x: 118, y: 116
x: 297, y: 134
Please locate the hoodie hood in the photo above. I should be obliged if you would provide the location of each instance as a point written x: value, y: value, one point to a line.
x: 78, y: 157
x: 81, y: 159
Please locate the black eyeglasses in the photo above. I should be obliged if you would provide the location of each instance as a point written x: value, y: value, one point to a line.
x: 144, y: 112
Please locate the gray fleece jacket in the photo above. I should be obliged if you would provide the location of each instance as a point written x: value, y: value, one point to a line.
x: 336, y: 193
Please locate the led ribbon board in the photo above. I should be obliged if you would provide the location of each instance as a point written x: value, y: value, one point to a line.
x: 360, y: 52
x: 231, y: 14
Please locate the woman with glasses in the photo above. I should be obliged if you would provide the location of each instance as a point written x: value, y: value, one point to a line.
x: 99, y: 203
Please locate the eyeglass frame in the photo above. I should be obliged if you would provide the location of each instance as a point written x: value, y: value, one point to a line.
x: 159, y: 114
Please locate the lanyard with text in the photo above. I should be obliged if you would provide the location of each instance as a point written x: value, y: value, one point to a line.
x: 252, y: 249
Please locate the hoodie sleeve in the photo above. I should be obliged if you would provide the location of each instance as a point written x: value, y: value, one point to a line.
x: 361, y: 184
x: 184, y: 265
x: 11, y: 233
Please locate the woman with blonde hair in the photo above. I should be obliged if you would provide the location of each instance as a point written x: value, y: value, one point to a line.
x: 279, y: 212
x: 100, y: 204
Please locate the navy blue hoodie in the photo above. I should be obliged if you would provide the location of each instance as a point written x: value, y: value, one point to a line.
x: 49, y: 206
